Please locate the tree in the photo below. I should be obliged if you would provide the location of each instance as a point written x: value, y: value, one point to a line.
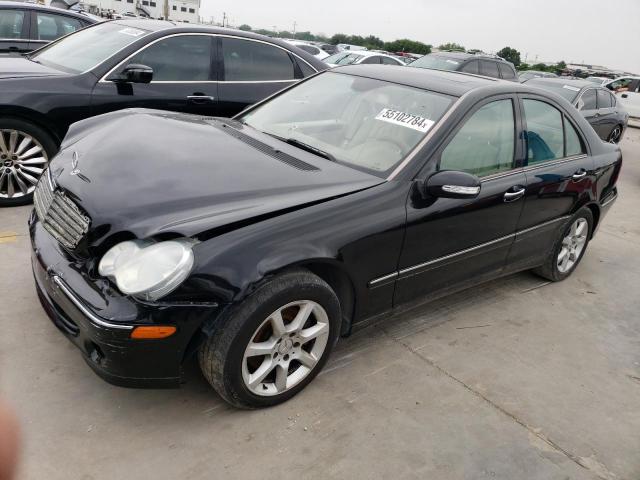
x: 454, y: 47
x: 561, y: 66
x: 510, y: 55
x: 409, y: 46
x: 245, y: 27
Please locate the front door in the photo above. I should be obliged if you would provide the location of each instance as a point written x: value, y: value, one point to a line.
x: 183, y: 78
x: 251, y: 71
x: 14, y: 30
x: 559, y: 177
x: 449, y: 241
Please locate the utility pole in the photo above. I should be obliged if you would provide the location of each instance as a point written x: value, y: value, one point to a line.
x: 224, y: 18
x: 294, y: 29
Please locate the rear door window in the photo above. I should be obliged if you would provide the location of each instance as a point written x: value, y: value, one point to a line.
x: 372, y: 60
x: 490, y: 69
x: 545, y: 134
x: 472, y: 67
x: 11, y: 23
x: 506, y: 71
x: 248, y: 60
x: 604, y: 99
x: 50, y: 26
x: 588, y: 100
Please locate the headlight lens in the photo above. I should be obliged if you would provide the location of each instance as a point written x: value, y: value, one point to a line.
x: 148, y: 270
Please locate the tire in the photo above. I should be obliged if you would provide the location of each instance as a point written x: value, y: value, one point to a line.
x: 616, y: 134
x: 17, y: 179
x: 553, y: 268
x: 223, y: 357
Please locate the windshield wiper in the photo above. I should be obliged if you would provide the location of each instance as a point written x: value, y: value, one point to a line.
x: 304, y: 146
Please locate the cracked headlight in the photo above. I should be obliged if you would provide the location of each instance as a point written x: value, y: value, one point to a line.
x: 148, y: 270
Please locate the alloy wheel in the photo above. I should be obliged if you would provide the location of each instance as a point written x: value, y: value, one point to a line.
x: 22, y: 161
x: 572, y: 245
x: 285, y: 348
x: 615, y: 135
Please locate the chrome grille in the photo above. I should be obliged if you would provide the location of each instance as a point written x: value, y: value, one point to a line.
x: 58, y: 214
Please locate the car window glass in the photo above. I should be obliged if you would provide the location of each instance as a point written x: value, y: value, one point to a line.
x: 604, y: 99
x: 308, y: 49
x: 388, y: 61
x: 472, y: 67
x: 11, y: 23
x: 485, y: 143
x: 370, y: 60
x: 506, y: 71
x: 181, y: 58
x: 246, y: 60
x: 490, y: 69
x: 305, y: 68
x: 588, y: 100
x: 573, y: 143
x: 51, y: 26
x: 544, y: 131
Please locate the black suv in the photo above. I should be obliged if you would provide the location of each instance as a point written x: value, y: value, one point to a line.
x: 495, y: 67
x: 28, y: 26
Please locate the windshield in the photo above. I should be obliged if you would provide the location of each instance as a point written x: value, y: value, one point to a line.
x: 87, y: 48
x: 597, y: 80
x: 437, y: 62
x: 365, y: 123
x: 569, y: 92
x: 343, y: 58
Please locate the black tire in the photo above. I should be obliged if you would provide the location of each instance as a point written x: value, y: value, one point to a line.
x: 42, y: 137
x: 549, y: 269
x: 221, y: 356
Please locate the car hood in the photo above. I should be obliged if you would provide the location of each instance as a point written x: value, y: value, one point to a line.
x: 149, y: 172
x: 20, y: 67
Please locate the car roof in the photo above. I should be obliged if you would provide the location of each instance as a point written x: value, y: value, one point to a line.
x: 37, y: 6
x: 563, y: 81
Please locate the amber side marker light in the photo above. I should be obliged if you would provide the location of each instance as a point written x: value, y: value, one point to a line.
x: 140, y: 333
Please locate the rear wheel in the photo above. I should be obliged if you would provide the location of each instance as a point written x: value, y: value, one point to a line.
x: 569, y: 248
x: 25, y: 151
x: 268, y: 348
x: 616, y: 134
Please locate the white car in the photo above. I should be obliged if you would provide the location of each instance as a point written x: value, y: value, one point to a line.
x: 309, y: 48
x: 598, y: 80
x: 361, y: 56
x: 627, y: 90
x: 346, y: 46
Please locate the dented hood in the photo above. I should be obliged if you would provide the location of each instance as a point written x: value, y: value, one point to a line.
x: 150, y: 172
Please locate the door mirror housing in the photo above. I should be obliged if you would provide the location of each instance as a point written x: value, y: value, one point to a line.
x: 452, y: 184
x: 133, y: 73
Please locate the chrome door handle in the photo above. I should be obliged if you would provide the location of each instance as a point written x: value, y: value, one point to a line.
x: 200, y: 98
x: 579, y: 175
x: 515, y: 195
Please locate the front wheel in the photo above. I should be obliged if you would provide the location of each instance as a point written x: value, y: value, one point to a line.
x: 569, y: 247
x: 268, y: 348
x: 25, y: 151
x: 616, y: 134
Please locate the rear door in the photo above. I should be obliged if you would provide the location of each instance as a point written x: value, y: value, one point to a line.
x: 450, y: 241
x: 559, y: 174
x: 251, y: 70
x: 184, y: 78
x: 608, y: 119
x: 14, y: 30
x: 588, y: 106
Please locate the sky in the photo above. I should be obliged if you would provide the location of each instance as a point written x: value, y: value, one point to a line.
x: 582, y: 31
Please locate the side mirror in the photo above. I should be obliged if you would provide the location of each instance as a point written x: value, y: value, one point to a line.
x: 452, y: 184
x: 133, y: 73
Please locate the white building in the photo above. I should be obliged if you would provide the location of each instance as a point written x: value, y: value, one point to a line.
x: 175, y: 10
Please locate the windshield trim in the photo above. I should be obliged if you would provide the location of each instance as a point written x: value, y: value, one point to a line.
x: 75, y: 72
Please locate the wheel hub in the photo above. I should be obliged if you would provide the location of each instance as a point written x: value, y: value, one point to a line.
x: 285, y: 346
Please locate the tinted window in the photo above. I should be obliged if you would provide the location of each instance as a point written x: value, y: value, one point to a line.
x: 388, y: 61
x: 11, y: 23
x: 438, y: 62
x: 182, y: 58
x: 490, y: 69
x: 588, y: 100
x: 370, y: 60
x: 309, y: 49
x: 305, y: 68
x: 604, y: 99
x: 485, y: 143
x: 51, y: 27
x: 472, y: 67
x: 506, y: 71
x: 573, y: 142
x: 544, y: 131
x: 246, y: 60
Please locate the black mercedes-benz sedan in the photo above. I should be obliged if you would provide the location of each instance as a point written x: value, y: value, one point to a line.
x: 599, y: 106
x: 255, y: 242
x: 130, y: 63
